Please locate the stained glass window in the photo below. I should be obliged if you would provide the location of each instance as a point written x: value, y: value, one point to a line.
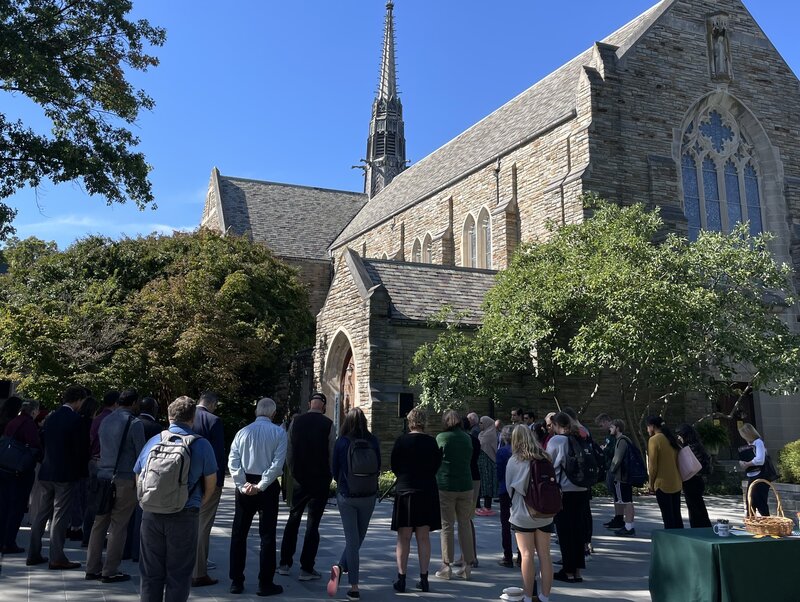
x: 711, y: 190
x: 719, y: 175
x: 691, y: 195
x: 733, y: 197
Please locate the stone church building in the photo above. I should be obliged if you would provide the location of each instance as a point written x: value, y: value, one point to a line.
x: 688, y: 107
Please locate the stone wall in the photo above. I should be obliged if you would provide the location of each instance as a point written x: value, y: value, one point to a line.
x: 316, y: 276
x: 640, y: 105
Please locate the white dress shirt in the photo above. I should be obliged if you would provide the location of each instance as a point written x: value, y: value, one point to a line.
x: 259, y: 448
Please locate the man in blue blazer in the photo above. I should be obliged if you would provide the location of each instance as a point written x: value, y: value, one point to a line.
x: 60, y: 471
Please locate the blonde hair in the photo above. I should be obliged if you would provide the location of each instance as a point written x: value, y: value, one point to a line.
x: 416, y: 419
x: 749, y: 432
x: 525, y: 446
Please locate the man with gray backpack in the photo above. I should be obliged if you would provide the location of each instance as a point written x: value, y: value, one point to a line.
x: 176, y: 474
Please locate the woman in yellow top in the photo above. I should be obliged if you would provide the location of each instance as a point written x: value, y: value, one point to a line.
x: 662, y: 465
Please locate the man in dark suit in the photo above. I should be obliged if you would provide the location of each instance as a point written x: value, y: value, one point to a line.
x: 60, y: 471
x: 209, y: 426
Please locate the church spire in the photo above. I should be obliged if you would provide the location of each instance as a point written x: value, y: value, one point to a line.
x: 386, y: 145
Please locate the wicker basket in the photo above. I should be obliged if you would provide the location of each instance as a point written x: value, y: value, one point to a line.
x: 763, y: 526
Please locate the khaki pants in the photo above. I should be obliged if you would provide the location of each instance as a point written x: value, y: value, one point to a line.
x: 208, y: 513
x: 457, y: 507
x: 115, y: 523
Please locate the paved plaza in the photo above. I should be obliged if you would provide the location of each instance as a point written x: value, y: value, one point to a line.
x: 617, y: 571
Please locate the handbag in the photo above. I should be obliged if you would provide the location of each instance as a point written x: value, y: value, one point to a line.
x: 16, y: 458
x: 105, y: 490
x: 688, y: 464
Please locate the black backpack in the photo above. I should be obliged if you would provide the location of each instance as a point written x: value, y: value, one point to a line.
x: 362, y: 469
x: 581, y: 466
x: 634, y: 468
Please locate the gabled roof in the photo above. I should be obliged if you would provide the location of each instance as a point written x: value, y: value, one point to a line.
x: 418, y: 291
x: 294, y: 221
x: 534, y: 111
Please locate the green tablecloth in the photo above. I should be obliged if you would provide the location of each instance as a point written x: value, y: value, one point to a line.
x: 695, y: 565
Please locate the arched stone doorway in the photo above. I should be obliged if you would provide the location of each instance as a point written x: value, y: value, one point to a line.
x: 339, y: 378
x: 347, y: 385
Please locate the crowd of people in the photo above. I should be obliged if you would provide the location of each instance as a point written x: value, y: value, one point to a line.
x: 112, y: 476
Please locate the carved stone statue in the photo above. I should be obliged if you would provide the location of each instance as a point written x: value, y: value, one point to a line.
x: 720, y: 47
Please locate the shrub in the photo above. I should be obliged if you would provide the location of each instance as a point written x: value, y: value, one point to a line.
x: 789, y: 462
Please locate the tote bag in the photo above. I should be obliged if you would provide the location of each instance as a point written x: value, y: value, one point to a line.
x: 688, y: 464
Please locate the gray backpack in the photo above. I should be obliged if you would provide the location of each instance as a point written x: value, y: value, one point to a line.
x: 163, y: 485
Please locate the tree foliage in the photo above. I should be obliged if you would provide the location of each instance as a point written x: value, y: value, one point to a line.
x: 168, y: 315
x: 602, y: 297
x: 72, y: 58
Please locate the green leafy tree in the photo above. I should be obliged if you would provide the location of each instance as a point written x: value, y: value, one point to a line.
x: 169, y: 315
x: 72, y: 58
x: 645, y: 322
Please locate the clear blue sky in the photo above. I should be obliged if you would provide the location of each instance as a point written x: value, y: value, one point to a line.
x: 282, y: 90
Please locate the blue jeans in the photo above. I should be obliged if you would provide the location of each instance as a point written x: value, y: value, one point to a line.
x: 356, y: 513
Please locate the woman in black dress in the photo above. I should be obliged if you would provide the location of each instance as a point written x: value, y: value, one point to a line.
x: 416, y: 458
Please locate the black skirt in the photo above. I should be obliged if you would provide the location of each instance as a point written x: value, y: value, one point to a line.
x: 417, y: 509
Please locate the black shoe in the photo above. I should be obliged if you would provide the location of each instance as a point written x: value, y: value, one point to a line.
x: 400, y: 584
x: 625, y: 532
x: 118, y: 578
x: 615, y: 523
x: 35, y: 560
x: 236, y: 588
x: 423, y: 584
x: 353, y: 595
x: 269, y: 590
x: 14, y: 549
x: 93, y: 576
x: 75, y: 534
x: 506, y: 562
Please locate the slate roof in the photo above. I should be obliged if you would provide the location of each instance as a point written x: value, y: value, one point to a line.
x: 419, y: 290
x: 294, y: 221
x: 536, y: 109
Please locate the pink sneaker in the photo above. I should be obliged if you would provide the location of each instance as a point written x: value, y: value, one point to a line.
x: 333, y: 583
x: 479, y: 512
x: 488, y: 512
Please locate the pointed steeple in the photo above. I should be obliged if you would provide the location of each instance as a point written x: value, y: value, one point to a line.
x: 386, y: 145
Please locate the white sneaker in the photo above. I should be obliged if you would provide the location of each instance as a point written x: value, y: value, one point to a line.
x: 306, y: 575
x: 283, y: 570
x: 210, y: 566
x: 445, y: 572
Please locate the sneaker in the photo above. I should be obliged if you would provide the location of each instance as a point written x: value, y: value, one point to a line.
x: 614, y: 523
x: 307, y: 575
x: 445, y: 572
x: 488, y: 512
x: 625, y: 532
x: 479, y: 511
x: 353, y: 595
x: 283, y: 570
x: 269, y: 589
x: 210, y: 566
x: 333, y: 582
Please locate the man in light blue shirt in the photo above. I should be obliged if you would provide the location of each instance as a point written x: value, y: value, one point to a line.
x: 256, y: 461
x: 169, y: 541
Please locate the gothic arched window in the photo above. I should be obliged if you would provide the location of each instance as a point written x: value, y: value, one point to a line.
x: 427, y: 249
x: 469, y: 244
x: 416, y: 252
x: 484, y: 240
x: 720, y: 175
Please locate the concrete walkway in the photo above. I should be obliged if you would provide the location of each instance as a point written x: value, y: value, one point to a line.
x: 617, y: 571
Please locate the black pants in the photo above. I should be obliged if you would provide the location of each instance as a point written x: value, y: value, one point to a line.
x: 315, y: 498
x: 670, y: 505
x: 505, y: 525
x: 265, y: 504
x: 588, y: 523
x: 693, y: 494
x: 760, y: 496
x: 571, y: 526
x: 14, y: 493
x: 168, y: 548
